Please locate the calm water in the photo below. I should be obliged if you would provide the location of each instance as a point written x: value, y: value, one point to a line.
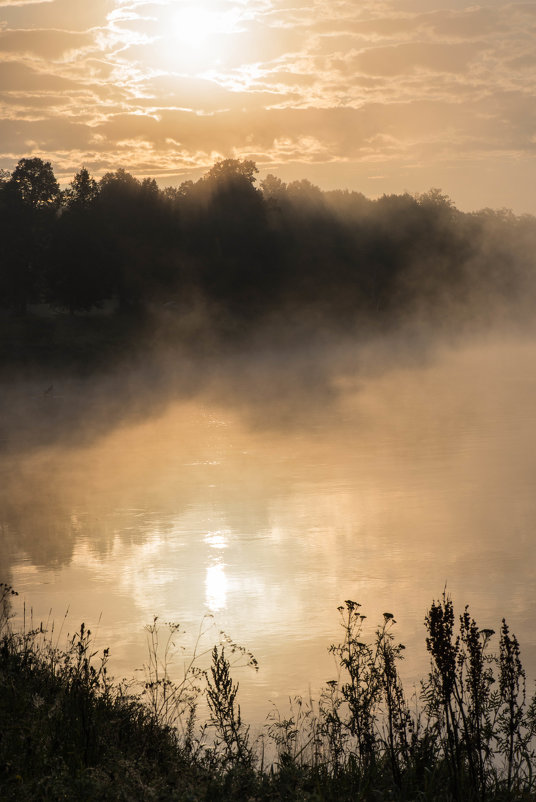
x: 407, y: 480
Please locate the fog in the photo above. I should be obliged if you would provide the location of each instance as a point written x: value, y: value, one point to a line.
x: 118, y: 430
x: 349, y: 415
x: 266, y: 487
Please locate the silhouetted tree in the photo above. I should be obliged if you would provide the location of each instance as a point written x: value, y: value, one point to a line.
x: 78, y: 276
x: 140, y: 230
x: 82, y: 192
x: 273, y: 187
x: 34, y: 182
x: 233, y: 236
x: 228, y: 170
x: 31, y: 199
x: 287, y: 250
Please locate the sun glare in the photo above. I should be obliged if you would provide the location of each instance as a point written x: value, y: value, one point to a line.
x: 216, y: 587
x: 194, y: 25
x: 195, y: 38
x: 197, y: 25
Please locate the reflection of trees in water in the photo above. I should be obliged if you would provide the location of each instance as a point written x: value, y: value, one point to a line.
x: 173, y: 475
x: 46, y: 513
x: 271, y: 385
x: 37, y: 526
x: 132, y: 484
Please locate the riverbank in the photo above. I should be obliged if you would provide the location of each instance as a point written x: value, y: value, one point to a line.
x: 70, y: 732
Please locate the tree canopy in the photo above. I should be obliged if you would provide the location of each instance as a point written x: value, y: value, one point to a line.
x: 256, y: 253
x: 35, y: 183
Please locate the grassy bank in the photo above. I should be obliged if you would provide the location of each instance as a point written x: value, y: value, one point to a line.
x: 68, y: 731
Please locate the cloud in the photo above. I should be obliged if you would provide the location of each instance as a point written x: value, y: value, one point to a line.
x: 412, y: 82
x: 17, y: 77
x: 47, y: 44
x: 63, y: 14
x: 5, y: 3
x: 468, y: 24
x: 404, y: 58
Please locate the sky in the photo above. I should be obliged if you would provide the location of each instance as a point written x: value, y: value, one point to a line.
x: 381, y: 97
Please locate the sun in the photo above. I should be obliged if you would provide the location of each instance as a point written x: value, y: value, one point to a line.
x: 198, y: 38
x: 194, y: 26
x: 200, y: 35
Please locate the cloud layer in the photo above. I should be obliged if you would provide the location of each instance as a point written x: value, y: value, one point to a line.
x: 377, y: 96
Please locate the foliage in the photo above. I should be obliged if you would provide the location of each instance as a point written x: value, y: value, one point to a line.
x: 82, y: 192
x: 254, y: 255
x: 33, y: 181
x: 232, y: 169
x: 70, y: 732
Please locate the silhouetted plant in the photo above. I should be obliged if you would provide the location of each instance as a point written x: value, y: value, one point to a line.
x: 225, y: 715
x: 478, y: 723
x: 173, y: 703
x: 299, y: 736
x: 515, y: 725
x: 438, y: 692
x: 332, y: 726
x: 68, y: 731
x: 399, y: 723
x: 6, y: 597
x: 361, y: 686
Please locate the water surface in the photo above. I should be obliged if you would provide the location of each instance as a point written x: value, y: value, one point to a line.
x: 409, y: 479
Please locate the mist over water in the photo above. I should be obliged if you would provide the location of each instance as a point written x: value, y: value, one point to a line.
x: 266, y: 486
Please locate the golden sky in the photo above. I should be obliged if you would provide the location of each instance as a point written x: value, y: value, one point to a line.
x: 382, y: 96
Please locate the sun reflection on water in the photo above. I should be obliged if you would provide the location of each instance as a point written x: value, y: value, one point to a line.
x: 216, y: 587
x: 217, y: 539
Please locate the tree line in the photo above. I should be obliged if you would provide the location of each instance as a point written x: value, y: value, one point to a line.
x: 254, y: 253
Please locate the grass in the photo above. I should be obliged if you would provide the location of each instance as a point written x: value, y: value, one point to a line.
x: 68, y: 731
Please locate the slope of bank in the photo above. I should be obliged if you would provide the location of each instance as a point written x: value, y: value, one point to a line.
x: 70, y: 732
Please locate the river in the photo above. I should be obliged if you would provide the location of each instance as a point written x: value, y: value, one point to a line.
x: 401, y: 481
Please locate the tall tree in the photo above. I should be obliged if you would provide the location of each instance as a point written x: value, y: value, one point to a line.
x: 233, y: 236
x: 34, y: 181
x: 229, y: 169
x: 78, y: 276
x: 82, y: 192
x: 32, y: 197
